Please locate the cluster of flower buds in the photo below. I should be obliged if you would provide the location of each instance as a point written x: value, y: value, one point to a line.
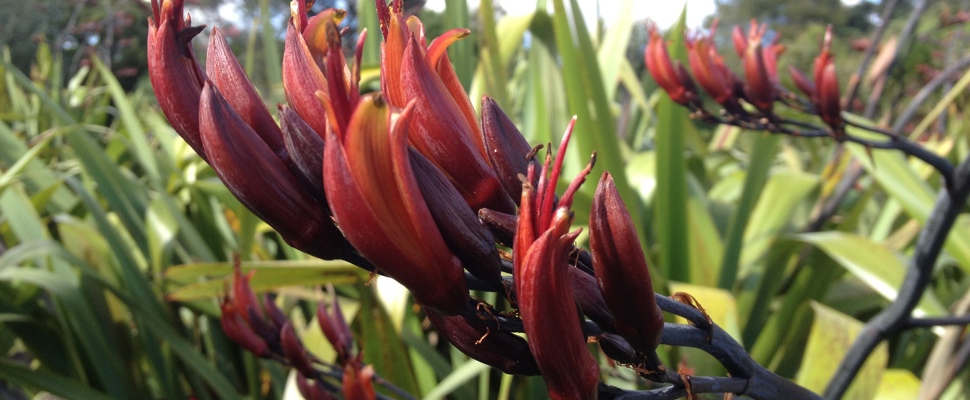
x: 412, y: 184
x: 760, y: 88
x: 259, y: 326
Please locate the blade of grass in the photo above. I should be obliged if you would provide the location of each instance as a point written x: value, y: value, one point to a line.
x: 670, y: 199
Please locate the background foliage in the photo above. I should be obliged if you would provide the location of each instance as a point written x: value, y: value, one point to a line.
x: 115, y: 238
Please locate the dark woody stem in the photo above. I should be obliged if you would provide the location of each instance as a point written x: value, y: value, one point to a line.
x: 894, y: 318
x: 747, y: 377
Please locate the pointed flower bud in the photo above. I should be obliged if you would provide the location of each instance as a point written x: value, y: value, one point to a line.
x: 674, y: 81
x: 376, y: 201
x: 827, y: 101
x: 500, y: 349
x: 466, y: 236
x: 446, y: 130
x: 261, y: 181
x: 305, y: 149
x: 709, y: 69
x: 621, y: 269
x: 758, y: 89
x: 508, y: 151
x: 335, y: 328
x: 295, y: 352
x: 175, y: 73
x: 227, y: 75
x: 546, y: 301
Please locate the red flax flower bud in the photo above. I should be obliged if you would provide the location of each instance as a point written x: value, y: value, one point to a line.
x: 376, y: 201
x: 759, y: 89
x: 675, y: 81
x: 256, y: 175
x: 445, y: 128
x: 335, y: 328
x: 175, y: 73
x: 544, y: 288
x: 500, y: 349
x: 508, y: 151
x: 621, y: 269
x: 827, y: 101
x: 710, y: 71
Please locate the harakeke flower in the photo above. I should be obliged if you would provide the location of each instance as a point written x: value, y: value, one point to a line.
x: 446, y: 130
x: 824, y: 92
x: 377, y: 203
x: 174, y: 71
x: 546, y: 301
x: 759, y: 87
x: 621, y: 269
x: 673, y: 80
x: 711, y: 73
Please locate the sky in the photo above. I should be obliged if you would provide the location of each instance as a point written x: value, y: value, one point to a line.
x: 663, y: 12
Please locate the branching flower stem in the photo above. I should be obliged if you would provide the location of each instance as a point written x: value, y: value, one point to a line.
x: 894, y: 318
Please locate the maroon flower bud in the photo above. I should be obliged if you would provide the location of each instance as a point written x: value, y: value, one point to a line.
x: 617, y: 348
x: 674, y: 81
x: 443, y: 135
x: 465, y: 235
x: 312, y: 389
x: 260, y: 180
x: 294, y: 351
x: 305, y: 149
x: 621, y: 269
x: 228, y: 76
x: 236, y: 328
x: 827, y: 99
x: 376, y: 201
x: 710, y: 71
x: 802, y: 82
x: 501, y: 224
x: 758, y: 89
x: 500, y: 349
x: 175, y: 73
x: 508, y: 151
x: 334, y: 327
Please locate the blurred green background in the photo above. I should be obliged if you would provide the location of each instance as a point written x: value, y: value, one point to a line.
x: 115, y: 238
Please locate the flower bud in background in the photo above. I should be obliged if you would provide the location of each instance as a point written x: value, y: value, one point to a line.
x: 758, y: 87
x: 711, y: 73
x: 175, y: 73
x: 621, y: 269
x: 824, y: 92
x: 544, y: 289
x: 675, y: 81
x: 335, y: 328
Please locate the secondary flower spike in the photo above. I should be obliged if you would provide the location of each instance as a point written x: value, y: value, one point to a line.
x: 621, y: 269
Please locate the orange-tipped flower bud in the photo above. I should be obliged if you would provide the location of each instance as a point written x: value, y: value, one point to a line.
x: 674, y: 81
x: 621, y: 269
x: 376, y: 201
